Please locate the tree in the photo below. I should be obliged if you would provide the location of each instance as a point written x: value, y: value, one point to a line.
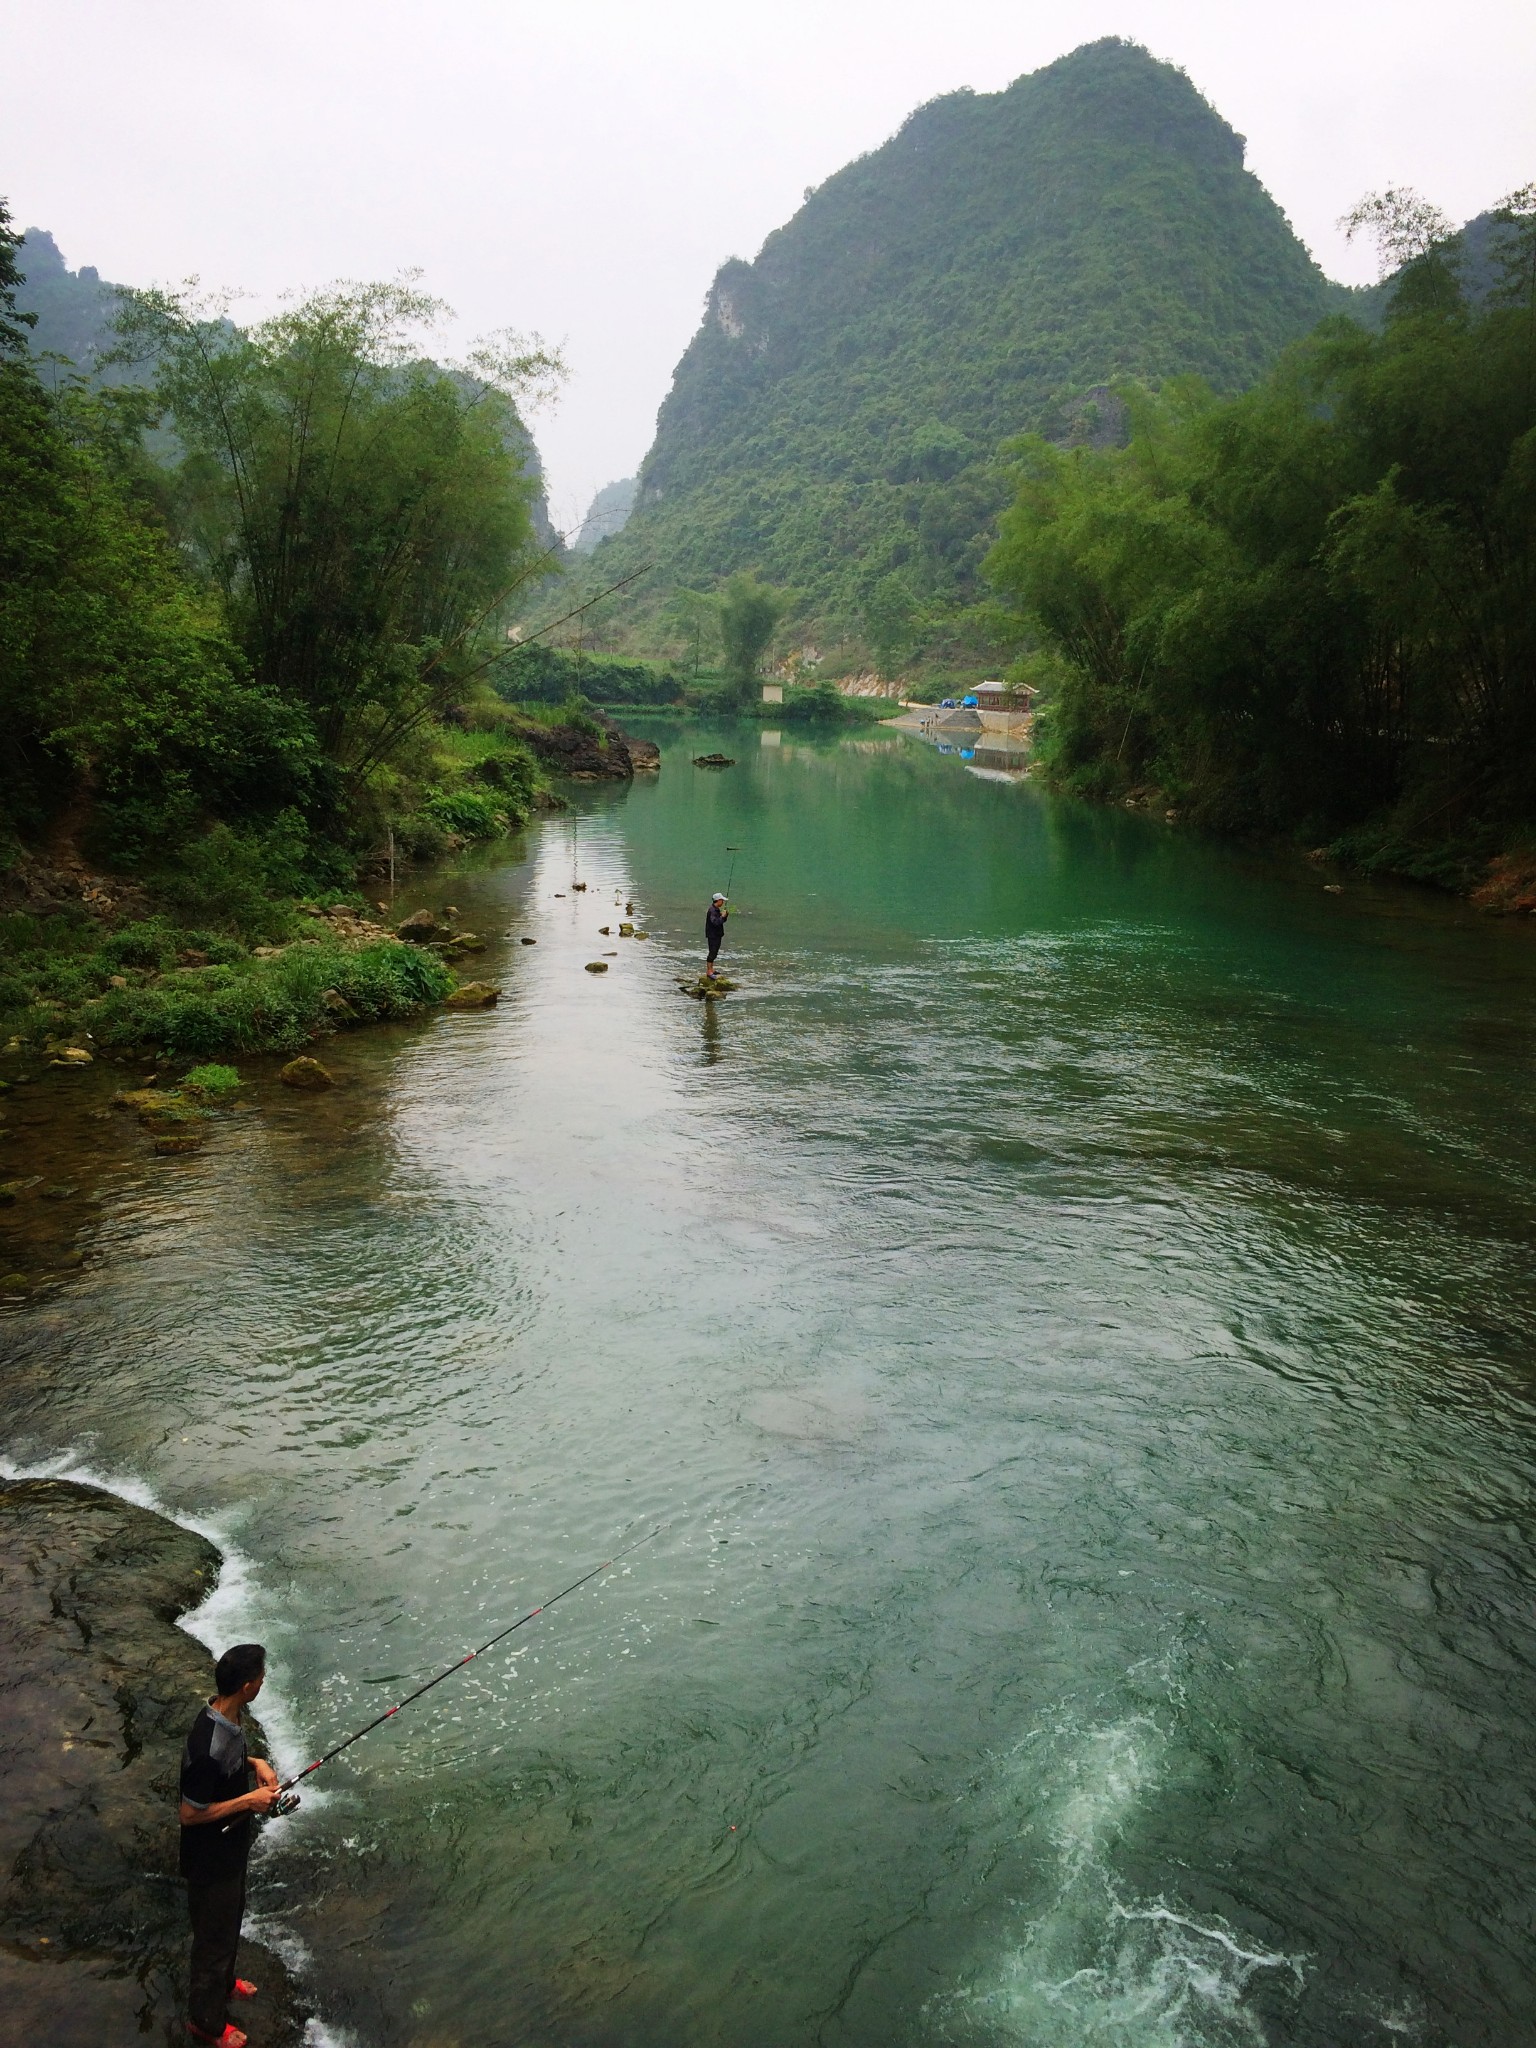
x: 1405, y: 226
x: 126, y: 705
x: 361, y: 512
x: 889, y: 610
x: 749, y: 614
x: 13, y: 324
x: 1314, y: 606
x: 693, y: 617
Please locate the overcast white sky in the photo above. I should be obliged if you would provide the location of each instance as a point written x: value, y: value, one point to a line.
x: 581, y: 167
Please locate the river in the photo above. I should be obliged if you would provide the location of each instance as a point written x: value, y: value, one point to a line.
x: 1069, y: 1316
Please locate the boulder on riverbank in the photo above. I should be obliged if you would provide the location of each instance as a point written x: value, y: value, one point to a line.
x: 421, y: 928
x: 592, y: 751
x: 98, y: 1688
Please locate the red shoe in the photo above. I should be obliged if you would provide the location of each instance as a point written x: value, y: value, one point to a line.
x: 243, y: 1988
x: 230, y: 2038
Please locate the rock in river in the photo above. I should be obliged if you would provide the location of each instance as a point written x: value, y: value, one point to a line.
x: 306, y: 1073
x: 421, y: 928
x: 97, y: 1690
x: 473, y: 995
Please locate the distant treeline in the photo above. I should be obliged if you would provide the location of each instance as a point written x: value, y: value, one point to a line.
x: 537, y: 674
x: 1310, y: 609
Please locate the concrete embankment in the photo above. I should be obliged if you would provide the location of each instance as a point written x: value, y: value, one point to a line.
x: 97, y: 1689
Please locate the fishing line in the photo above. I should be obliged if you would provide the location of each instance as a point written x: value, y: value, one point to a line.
x: 528, y: 639
x: 286, y: 1788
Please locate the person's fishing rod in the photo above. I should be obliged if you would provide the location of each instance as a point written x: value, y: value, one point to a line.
x: 732, y: 851
x: 288, y: 1799
x: 528, y: 639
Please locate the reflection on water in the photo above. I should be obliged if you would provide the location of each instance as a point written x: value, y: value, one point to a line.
x: 1070, y: 1311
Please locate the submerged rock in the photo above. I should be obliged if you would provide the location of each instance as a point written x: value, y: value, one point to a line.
x: 706, y: 988
x: 713, y: 761
x: 306, y: 1073
x: 597, y: 967
x: 473, y: 995
x: 100, y: 1689
x: 527, y: 942
x: 145, y: 1099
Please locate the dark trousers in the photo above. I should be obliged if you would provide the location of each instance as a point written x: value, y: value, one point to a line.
x: 217, y: 1910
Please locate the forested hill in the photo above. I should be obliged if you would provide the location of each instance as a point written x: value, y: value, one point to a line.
x: 837, y: 415
x: 74, y: 308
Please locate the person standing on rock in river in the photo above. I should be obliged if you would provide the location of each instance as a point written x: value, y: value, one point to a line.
x: 217, y: 1803
x: 714, y: 930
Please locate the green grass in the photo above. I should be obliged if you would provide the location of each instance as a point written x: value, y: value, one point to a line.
x: 554, y: 716
x: 212, y: 1080
x: 54, y: 994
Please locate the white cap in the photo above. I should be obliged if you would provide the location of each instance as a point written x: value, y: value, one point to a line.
x: 719, y: 895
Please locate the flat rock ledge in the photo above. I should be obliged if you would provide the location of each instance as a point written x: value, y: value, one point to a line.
x: 98, y: 1687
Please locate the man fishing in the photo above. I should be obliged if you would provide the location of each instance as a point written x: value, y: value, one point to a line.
x: 714, y: 929
x: 217, y: 1805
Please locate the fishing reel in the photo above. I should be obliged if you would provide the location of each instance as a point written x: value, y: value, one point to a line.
x: 286, y: 1802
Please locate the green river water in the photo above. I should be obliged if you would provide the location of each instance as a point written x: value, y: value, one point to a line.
x: 1071, y: 1315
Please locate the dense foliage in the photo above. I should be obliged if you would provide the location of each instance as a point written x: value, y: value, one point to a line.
x: 124, y: 693
x: 537, y: 673
x: 261, y: 633
x: 991, y: 269
x: 248, y: 581
x: 359, y: 511
x: 1312, y: 607
x: 749, y: 610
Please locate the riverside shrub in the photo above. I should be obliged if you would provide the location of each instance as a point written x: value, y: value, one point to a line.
x: 251, y: 1005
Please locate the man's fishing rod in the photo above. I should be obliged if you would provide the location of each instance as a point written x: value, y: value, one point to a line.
x: 528, y: 639
x: 288, y: 1798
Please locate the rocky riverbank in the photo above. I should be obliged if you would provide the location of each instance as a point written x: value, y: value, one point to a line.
x: 97, y: 1689
x: 588, y: 748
